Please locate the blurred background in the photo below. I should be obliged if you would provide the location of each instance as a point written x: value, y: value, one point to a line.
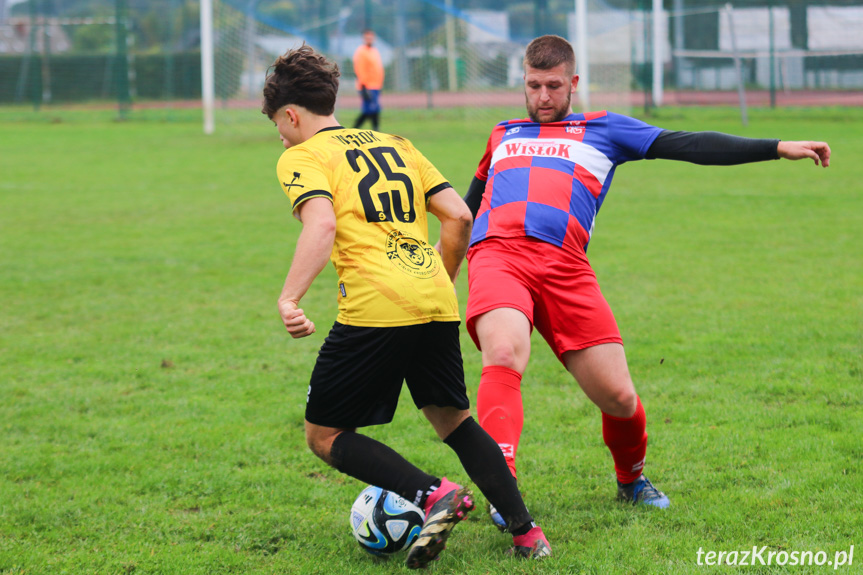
x: 437, y: 53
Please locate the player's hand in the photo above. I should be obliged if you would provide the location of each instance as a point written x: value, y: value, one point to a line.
x: 818, y: 151
x: 295, y: 320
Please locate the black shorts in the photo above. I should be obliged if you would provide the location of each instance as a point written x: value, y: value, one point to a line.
x: 359, y: 373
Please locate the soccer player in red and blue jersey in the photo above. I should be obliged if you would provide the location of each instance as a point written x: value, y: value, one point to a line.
x: 535, y: 197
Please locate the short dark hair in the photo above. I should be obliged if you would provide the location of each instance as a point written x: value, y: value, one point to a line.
x: 302, y: 77
x: 546, y: 52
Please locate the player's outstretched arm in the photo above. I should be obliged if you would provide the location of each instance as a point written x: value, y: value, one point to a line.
x: 819, y: 152
x: 718, y: 149
x: 313, y: 252
x: 455, y: 225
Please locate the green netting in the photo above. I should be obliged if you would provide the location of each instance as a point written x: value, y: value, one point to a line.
x: 438, y: 53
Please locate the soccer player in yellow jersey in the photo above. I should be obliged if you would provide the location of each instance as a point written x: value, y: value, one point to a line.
x: 363, y: 198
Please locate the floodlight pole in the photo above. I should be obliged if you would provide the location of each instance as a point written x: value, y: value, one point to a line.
x: 46, y: 55
x: 738, y: 68
x: 658, y: 43
x: 452, y: 72
x: 581, y: 57
x: 679, y: 43
x: 250, y: 48
x: 208, y: 92
x: 124, y: 98
x: 772, y: 54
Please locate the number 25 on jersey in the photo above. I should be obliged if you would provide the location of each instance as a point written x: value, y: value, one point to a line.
x: 391, y: 206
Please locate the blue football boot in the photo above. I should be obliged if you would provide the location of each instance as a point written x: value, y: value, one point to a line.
x: 642, y: 491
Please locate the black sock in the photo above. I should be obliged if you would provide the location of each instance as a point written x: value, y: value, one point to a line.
x: 371, y: 461
x: 482, y: 459
x: 521, y: 530
x: 360, y: 121
x: 375, y: 119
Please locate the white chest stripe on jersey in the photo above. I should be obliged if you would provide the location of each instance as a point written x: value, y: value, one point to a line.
x: 579, y: 153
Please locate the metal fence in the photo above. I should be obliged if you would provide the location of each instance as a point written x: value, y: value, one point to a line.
x: 437, y: 52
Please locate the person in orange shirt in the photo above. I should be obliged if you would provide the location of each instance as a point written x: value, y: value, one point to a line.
x: 369, y: 70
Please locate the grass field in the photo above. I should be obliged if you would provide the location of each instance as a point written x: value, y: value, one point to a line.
x: 151, y: 405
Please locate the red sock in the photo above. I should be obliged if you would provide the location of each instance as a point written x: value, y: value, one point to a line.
x: 499, y: 409
x: 627, y: 440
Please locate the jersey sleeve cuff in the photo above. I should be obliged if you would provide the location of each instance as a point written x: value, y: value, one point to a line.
x: 437, y: 188
x: 309, y: 195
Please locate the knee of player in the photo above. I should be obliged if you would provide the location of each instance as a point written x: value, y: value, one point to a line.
x: 621, y: 403
x: 502, y: 354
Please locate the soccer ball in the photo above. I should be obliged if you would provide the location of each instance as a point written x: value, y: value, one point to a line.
x: 384, y: 523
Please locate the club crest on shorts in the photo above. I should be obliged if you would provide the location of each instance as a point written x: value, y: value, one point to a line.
x: 411, y: 255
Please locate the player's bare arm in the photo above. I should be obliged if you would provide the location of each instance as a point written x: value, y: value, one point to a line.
x: 456, y: 222
x: 311, y: 256
x: 819, y: 152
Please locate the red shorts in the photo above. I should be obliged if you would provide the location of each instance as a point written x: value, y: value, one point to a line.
x: 555, y: 289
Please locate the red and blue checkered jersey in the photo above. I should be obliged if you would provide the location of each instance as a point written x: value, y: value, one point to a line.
x: 548, y: 181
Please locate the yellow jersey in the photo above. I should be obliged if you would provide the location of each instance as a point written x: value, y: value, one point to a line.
x: 379, y: 184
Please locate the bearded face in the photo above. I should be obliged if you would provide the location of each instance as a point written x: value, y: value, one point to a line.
x: 548, y: 93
